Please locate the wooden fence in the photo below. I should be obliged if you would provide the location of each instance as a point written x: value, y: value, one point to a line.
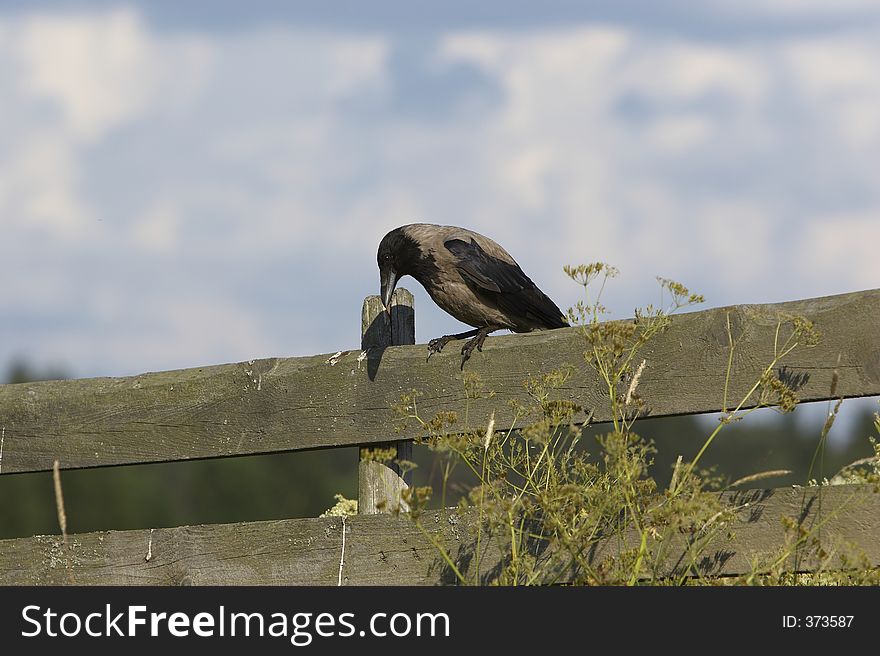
x: 345, y: 398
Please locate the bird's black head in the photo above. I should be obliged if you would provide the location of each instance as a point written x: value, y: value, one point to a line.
x: 397, y: 257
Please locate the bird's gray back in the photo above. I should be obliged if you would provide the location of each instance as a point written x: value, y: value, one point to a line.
x: 435, y: 236
x: 477, y: 281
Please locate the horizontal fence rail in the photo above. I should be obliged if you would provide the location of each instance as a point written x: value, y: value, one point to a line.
x: 346, y: 398
x: 383, y: 549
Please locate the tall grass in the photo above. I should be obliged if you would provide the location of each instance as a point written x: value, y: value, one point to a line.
x: 552, y: 510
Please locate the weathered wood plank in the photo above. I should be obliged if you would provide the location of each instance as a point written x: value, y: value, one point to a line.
x: 380, y: 483
x: 388, y: 550
x: 286, y: 404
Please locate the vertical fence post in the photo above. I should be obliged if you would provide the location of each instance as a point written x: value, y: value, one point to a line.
x: 380, y: 483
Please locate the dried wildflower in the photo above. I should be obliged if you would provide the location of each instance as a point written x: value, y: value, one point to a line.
x: 343, y: 507
x: 634, y: 384
x: 490, y: 431
x: 775, y: 392
x: 416, y: 499
x: 584, y: 274
x: 378, y: 454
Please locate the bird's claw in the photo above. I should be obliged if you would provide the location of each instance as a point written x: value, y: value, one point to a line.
x: 470, y: 345
x: 436, y: 345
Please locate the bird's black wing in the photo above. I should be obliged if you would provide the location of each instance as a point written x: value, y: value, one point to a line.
x: 509, y: 288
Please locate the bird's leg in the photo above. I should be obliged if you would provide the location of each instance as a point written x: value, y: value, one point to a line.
x: 475, y: 343
x: 436, y: 345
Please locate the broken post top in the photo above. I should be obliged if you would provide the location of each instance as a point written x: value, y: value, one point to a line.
x: 379, y: 329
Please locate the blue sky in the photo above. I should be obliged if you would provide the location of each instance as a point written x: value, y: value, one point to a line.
x: 193, y: 183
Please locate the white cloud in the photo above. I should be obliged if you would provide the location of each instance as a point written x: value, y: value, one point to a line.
x: 97, y: 69
x: 669, y: 70
x: 634, y: 189
x: 736, y: 245
x: 103, y: 70
x: 68, y: 81
x: 840, y: 78
x: 186, y: 332
x: 134, y: 161
x: 841, y: 247
x: 38, y: 182
x: 158, y: 230
x: 158, y: 335
x: 678, y: 134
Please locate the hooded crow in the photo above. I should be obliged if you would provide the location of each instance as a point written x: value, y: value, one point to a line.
x: 470, y: 277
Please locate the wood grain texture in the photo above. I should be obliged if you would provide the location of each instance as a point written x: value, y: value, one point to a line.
x: 288, y: 404
x: 380, y: 482
x: 389, y: 550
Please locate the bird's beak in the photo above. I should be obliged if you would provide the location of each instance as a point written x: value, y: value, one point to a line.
x: 388, y: 279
